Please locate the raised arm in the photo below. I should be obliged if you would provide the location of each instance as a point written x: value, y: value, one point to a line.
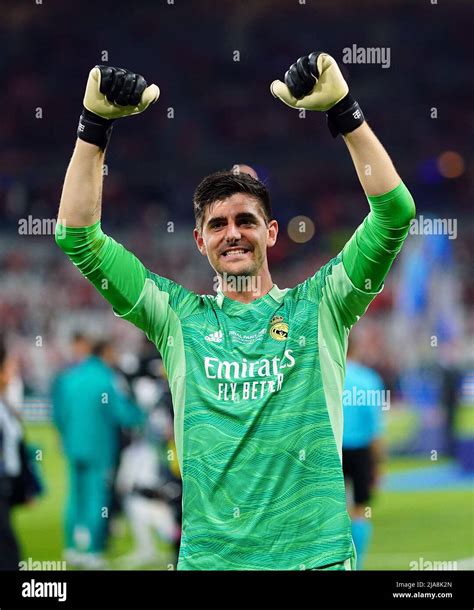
x: 374, y: 167
x: 82, y: 190
x: 370, y: 252
x: 111, y: 93
x: 316, y: 83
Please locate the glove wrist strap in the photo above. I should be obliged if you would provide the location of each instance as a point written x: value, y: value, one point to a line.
x: 94, y: 129
x: 345, y: 116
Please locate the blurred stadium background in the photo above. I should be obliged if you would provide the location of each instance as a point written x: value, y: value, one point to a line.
x: 216, y: 111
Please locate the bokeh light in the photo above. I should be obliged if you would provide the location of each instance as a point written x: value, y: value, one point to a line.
x: 451, y: 164
x: 301, y: 229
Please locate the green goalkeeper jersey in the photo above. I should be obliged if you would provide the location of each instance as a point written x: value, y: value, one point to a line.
x: 256, y: 393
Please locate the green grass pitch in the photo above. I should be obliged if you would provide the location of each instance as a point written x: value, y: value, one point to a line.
x: 435, y: 525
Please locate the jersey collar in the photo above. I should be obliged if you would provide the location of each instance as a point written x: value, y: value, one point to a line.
x: 225, y: 302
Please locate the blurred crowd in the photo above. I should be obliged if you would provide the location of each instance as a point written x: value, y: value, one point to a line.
x: 114, y: 420
x: 214, y: 62
x: 216, y: 109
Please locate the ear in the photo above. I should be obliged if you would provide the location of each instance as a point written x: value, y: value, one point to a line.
x: 199, y: 242
x: 272, y: 233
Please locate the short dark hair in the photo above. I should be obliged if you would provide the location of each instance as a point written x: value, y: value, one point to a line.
x: 101, y: 346
x: 223, y: 184
x: 79, y: 336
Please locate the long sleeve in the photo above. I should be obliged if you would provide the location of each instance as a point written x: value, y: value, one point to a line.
x: 136, y: 294
x: 116, y: 273
x: 369, y: 254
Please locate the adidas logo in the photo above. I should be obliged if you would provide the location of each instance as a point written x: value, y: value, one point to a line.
x: 216, y: 337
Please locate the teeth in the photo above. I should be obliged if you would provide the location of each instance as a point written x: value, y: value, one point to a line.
x: 231, y: 252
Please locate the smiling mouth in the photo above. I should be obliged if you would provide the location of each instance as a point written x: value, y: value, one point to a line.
x: 235, y: 252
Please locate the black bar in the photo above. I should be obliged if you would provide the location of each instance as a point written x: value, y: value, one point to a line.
x: 162, y: 590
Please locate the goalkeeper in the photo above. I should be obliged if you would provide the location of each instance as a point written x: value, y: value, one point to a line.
x: 256, y: 371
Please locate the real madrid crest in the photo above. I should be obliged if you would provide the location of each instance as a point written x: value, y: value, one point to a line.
x: 278, y: 329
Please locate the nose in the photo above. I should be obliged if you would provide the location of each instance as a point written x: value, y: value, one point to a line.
x: 232, y: 232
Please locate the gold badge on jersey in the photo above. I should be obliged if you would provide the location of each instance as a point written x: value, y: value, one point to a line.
x: 278, y: 329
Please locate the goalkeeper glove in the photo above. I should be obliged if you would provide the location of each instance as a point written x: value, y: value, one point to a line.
x: 112, y: 93
x: 315, y: 82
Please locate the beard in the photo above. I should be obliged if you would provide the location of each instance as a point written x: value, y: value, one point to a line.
x: 244, y: 277
x: 249, y: 269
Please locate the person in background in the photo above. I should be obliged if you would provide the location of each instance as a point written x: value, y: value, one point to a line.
x: 450, y: 377
x: 89, y: 410
x: 364, y: 398
x: 15, y: 389
x: 148, y: 493
x: 10, y: 436
x: 19, y: 484
x: 147, y: 481
x: 81, y: 347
